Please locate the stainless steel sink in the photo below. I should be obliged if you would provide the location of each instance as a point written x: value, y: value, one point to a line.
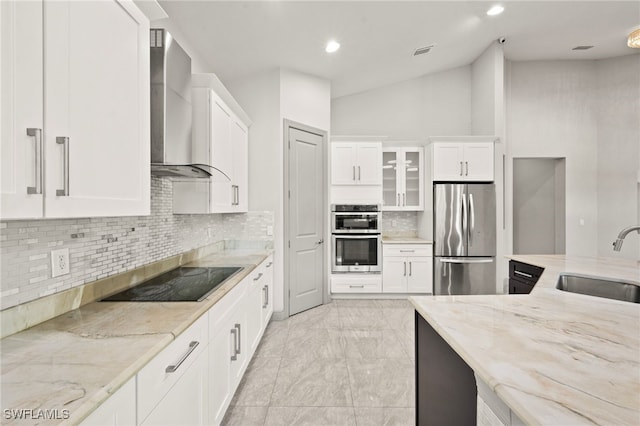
x: 627, y: 291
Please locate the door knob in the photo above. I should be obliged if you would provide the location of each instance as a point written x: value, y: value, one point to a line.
x: 320, y: 242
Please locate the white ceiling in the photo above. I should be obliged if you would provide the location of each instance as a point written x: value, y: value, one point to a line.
x: 241, y: 38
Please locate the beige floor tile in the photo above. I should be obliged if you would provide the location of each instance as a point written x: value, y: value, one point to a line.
x: 394, y: 304
x: 274, y: 340
x: 314, y: 343
x: 356, y: 303
x: 372, y: 344
x: 382, y: 382
x: 257, y: 384
x: 368, y: 416
x: 311, y: 416
x: 325, y: 316
x: 363, y: 318
x: 312, y: 382
x: 245, y: 416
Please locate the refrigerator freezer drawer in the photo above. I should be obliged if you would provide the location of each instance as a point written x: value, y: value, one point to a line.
x: 464, y: 275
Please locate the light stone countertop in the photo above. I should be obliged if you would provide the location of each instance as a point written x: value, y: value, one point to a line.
x: 404, y: 240
x: 555, y: 358
x: 77, y: 360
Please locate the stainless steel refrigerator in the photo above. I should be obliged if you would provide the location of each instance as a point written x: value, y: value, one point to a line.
x: 464, y: 233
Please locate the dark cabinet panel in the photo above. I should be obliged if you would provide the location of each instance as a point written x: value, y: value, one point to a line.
x: 445, y: 385
x: 522, y: 277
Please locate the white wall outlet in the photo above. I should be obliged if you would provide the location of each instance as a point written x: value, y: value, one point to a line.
x: 269, y: 230
x: 59, y: 262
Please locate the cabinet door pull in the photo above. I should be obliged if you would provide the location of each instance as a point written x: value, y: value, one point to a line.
x: 265, y: 296
x: 239, y: 339
x: 407, y: 251
x: 466, y: 164
x: 398, y: 200
x: 405, y: 269
x: 356, y: 286
x: 64, y: 141
x: 404, y: 198
x: 258, y: 277
x: 171, y: 368
x: 354, y: 173
x: 37, y: 134
x: 359, y: 173
x: 461, y: 168
x: 409, y: 268
x: 234, y: 332
x: 269, y: 265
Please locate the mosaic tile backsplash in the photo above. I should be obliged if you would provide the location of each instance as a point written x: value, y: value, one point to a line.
x: 404, y: 224
x: 100, y: 247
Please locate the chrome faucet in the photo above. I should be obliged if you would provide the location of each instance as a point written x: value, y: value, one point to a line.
x: 617, y: 244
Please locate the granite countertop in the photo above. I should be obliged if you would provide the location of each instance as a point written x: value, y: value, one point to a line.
x: 553, y: 357
x: 404, y: 240
x: 77, y: 360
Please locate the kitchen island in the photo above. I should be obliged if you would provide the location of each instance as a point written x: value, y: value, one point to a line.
x: 60, y: 371
x: 554, y: 358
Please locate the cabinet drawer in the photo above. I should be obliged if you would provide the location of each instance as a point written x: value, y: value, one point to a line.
x: 154, y: 380
x: 406, y: 250
x: 356, y: 283
x: 524, y: 272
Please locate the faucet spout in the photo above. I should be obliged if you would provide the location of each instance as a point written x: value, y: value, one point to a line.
x: 617, y: 244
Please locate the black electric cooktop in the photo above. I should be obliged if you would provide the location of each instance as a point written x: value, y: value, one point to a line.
x: 184, y: 284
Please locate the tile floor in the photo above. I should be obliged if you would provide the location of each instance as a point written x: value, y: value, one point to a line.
x: 350, y: 362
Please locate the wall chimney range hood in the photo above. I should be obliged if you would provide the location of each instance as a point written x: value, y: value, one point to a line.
x: 171, y: 110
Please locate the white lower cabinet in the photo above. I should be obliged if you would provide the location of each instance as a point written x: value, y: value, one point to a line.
x: 162, y: 382
x: 119, y: 409
x: 356, y: 283
x: 407, y: 268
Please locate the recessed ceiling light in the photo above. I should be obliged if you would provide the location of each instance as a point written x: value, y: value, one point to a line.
x: 495, y: 10
x: 332, y: 46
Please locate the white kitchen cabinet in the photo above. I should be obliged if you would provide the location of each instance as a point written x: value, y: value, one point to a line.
x: 229, y: 352
x: 267, y: 292
x: 403, y: 179
x: 463, y: 161
x: 163, y: 382
x: 259, y: 302
x: 118, y: 410
x: 187, y: 401
x: 407, y: 268
x: 219, y: 139
x: 94, y: 159
x: 356, y: 163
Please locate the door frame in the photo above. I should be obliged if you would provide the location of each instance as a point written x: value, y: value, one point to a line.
x: 289, y: 124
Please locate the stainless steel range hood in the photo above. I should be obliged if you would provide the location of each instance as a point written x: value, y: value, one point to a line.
x: 171, y: 110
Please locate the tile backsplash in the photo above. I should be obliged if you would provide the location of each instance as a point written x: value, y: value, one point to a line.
x: 100, y: 247
x: 402, y: 224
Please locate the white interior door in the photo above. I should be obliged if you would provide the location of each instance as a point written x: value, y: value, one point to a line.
x: 306, y: 212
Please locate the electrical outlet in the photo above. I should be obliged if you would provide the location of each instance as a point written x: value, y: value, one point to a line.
x: 269, y: 230
x: 59, y: 262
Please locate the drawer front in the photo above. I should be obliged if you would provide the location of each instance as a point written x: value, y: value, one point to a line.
x: 519, y: 287
x: 356, y: 284
x: 407, y: 250
x: 163, y: 371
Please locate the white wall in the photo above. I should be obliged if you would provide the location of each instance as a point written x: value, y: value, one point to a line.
x: 434, y: 104
x: 552, y: 112
x: 618, y: 138
x: 269, y: 98
x: 198, y: 63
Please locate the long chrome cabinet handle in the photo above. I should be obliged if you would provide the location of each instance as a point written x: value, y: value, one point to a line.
x: 466, y: 173
x: 192, y: 346
x: 404, y: 198
x: 523, y: 274
x: 410, y: 269
x: 405, y: 269
x: 239, y: 339
x: 359, y: 173
x: 461, y: 168
x: 354, y: 173
x: 64, y: 141
x: 467, y: 260
x: 258, y: 277
x: 265, y: 296
x: 356, y: 286
x: 398, y: 200
x: 269, y: 265
x: 37, y: 134
x: 234, y: 332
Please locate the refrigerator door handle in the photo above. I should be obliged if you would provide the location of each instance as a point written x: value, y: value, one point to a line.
x: 467, y: 260
x: 465, y: 229
x: 472, y: 221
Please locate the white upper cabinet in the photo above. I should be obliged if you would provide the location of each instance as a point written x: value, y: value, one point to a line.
x: 356, y: 163
x: 463, y: 161
x: 95, y: 146
x: 220, y: 138
x: 403, y: 179
x: 21, y: 86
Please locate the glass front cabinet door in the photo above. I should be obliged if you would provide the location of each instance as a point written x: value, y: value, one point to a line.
x: 403, y: 178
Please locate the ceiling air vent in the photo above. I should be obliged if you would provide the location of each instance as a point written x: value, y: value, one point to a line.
x: 582, y: 48
x: 423, y: 50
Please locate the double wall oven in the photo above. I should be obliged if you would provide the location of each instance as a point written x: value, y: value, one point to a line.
x: 355, y: 238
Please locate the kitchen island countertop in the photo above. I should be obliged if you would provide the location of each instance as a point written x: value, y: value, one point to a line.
x: 77, y: 360
x: 555, y: 358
